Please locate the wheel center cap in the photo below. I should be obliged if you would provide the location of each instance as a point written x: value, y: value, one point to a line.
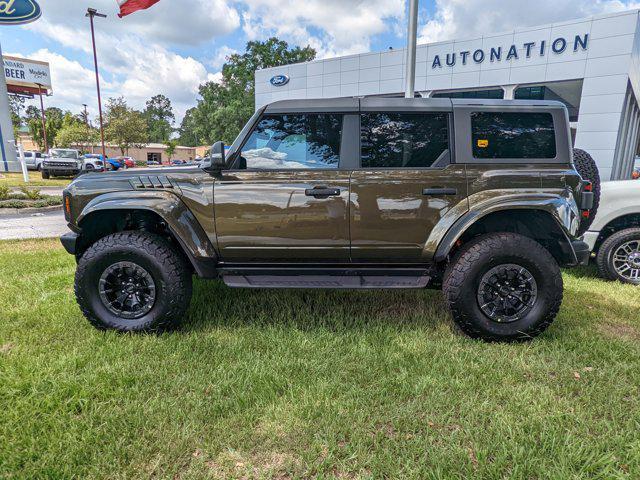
x: 504, y: 291
x: 634, y: 259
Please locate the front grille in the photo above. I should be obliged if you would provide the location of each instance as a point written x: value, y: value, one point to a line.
x: 61, y: 164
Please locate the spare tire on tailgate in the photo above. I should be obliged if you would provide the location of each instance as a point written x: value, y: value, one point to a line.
x: 588, y: 170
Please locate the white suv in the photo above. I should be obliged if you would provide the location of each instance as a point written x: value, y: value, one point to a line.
x: 614, y: 234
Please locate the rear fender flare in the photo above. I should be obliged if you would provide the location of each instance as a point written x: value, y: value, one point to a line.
x: 562, y: 208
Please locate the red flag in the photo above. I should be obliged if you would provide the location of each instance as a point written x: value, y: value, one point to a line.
x: 130, y: 6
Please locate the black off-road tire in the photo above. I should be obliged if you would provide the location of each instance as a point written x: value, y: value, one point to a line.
x: 604, y: 259
x: 588, y: 170
x: 45, y: 175
x: 167, y: 267
x: 463, y: 276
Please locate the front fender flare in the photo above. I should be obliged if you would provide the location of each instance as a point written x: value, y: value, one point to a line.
x: 180, y: 221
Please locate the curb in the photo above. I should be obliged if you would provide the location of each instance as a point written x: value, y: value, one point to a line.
x: 28, y: 211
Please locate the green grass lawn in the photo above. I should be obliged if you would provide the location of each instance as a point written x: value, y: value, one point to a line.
x: 311, y: 384
x: 35, y: 180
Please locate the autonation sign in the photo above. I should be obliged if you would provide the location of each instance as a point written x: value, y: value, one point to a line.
x: 497, y: 54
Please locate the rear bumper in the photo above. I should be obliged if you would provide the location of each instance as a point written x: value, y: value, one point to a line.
x: 69, y: 242
x: 582, y: 252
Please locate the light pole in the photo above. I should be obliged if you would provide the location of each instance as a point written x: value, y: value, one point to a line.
x: 412, y: 34
x: 92, y: 12
x: 44, y: 119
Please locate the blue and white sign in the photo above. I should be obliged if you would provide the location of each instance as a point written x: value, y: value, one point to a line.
x: 17, y: 12
x: 514, y: 52
x: 279, y: 80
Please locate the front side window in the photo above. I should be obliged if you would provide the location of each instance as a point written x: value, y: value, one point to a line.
x: 404, y: 140
x: 294, y: 141
x: 506, y: 135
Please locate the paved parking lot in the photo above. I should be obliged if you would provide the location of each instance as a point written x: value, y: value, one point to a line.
x: 35, y: 225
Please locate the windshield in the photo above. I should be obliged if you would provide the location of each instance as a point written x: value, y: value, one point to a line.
x: 65, y: 154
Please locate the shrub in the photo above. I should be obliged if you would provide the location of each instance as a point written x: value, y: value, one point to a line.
x: 31, y: 193
x: 4, y: 192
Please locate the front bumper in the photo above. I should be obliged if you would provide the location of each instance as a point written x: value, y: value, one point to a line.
x: 69, y: 242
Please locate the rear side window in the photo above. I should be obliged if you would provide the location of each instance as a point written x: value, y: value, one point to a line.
x: 513, y: 135
x: 294, y: 141
x: 403, y: 140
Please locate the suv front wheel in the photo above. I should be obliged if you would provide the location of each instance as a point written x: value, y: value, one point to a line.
x: 503, y: 287
x: 133, y: 282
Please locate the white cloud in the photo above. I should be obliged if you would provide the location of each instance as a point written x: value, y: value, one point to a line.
x: 188, y: 22
x: 332, y: 27
x: 469, y: 18
x: 221, y: 57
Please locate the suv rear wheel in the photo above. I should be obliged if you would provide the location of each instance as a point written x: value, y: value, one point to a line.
x: 619, y: 257
x: 503, y: 287
x: 133, y: 282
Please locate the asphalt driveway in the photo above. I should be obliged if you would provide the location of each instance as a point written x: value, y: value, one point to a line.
x: 34, y: 225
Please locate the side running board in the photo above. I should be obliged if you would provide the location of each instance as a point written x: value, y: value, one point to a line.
x: 327, y: 281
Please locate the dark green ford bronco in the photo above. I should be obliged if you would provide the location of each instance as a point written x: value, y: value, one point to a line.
x: 479, y: 197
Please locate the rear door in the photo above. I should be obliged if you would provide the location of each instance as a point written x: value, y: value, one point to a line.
x: 286, y: 196
x: 406, y: 183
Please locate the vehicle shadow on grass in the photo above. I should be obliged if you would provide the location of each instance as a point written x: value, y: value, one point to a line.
x: 216, y: 305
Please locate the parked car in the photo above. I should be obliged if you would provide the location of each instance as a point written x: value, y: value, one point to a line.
x: 34, y: 160
x: 114, y: 163
x: 384, y: 193
x: 127, y: 162
x: 614, y: 235
x: 93, y: 163
x: 177, y: 161
x: 62, y: 162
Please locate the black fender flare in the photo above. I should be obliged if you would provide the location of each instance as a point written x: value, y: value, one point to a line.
x: 180, y: 221
x: 563, y: 210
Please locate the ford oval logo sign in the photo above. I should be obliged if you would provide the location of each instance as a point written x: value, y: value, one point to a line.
x: 279, y: 80
x: 16, y: 12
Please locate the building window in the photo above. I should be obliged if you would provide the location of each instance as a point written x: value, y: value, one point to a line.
x: 304, y: 141
x: 402, y: 140
x: 497, y: 93
x: 513, y: 135
x: 154, y: 157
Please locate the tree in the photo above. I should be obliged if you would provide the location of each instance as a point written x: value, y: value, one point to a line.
x: 125, y: 127
x: 225, y: 107
x: 77, y: 135
x: 16, y: 104
x: 54, y: 122
x: 187, y: 130
x: 160, y: 118
x: 171, y: 148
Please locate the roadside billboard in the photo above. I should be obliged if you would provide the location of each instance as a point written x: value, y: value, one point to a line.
x: 23, y: 75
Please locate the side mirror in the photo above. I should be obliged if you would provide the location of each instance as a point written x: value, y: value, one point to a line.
x: 216, y: 160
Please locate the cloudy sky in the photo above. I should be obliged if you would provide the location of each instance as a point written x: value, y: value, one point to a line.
x: 178, y: 44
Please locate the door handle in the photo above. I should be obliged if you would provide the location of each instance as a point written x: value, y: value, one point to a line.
x: 440, y: 191
x: 322, y: 192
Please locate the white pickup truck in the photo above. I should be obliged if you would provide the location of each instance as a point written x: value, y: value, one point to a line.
x: 614, y: 235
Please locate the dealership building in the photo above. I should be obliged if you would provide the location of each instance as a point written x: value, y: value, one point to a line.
x: 592, y: 65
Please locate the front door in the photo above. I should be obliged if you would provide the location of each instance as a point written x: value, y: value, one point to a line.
x: 286, y: 198
x: 405, y: 186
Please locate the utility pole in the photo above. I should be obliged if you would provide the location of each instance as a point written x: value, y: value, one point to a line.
x: 44, y: 119
x: 92, y: 12
x: 412, y: 40
x: 86, y: 123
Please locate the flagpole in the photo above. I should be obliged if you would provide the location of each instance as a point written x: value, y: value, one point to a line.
x: 92, y: 12
x: 412, y: 34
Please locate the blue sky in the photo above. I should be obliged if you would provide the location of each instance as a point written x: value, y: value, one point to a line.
x: 178, y: 44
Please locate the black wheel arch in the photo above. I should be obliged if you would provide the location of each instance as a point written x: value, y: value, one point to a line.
x: 536, y: 224
x: 101, y: 223
x: 630, y: 220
